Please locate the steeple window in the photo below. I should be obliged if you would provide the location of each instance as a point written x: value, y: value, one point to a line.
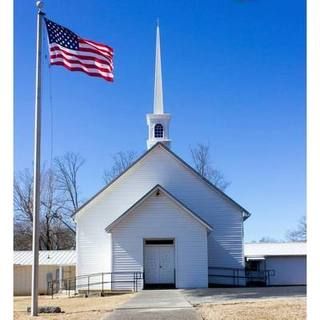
x: 158, y: 131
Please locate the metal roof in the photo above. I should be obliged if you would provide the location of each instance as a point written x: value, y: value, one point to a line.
x: 53, y: 257
x: 275, y: 249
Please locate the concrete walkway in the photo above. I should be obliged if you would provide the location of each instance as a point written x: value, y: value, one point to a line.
x: 155, y: 305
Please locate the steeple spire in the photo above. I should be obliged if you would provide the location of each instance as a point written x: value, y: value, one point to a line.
x: 158, y: 96
x: 158, y: 121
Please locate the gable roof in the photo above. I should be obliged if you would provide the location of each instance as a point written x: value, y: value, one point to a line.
x: 46, y: 257
x: 246, y: 213
x: 275, y: 249
x: 153, y: 191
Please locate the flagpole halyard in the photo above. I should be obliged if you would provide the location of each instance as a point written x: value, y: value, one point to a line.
x: 36, y: 166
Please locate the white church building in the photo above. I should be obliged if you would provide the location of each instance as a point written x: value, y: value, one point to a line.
x: 160, y: 217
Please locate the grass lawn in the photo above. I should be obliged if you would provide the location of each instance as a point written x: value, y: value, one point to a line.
x: 74, y: 307
x: 267, y: 309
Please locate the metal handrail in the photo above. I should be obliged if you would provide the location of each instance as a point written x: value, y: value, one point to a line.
x: 247, y: 274
x: 72, y: 283
x: 226, y: 268
x: 99, y: 273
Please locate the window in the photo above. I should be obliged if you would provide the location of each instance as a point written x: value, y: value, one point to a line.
x: 158, y: 131
x: 159, y: 241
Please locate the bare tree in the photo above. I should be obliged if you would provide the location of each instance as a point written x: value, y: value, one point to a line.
x: 23, y: 197
x: 67, y: 170
x: 22, y: 236
x: 59, y: 197
x: 268, y: 240
x: 300, y: 233
x: 23, y: 204
x: 202, y: 163
x: 121, y: 161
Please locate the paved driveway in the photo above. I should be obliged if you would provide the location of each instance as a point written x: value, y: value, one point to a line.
x: 155, y: 305
x: 218, y: 295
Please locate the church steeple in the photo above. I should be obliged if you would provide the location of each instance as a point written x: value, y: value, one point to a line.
x: 158, y: 121
x: 158, y: 97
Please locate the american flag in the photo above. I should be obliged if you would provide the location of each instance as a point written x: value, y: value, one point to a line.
x: 77, y: 54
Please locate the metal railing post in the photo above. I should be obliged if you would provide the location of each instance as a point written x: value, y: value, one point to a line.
x: 135, y: 282
x: 88, y: 286
x: 237, y: 277
x: 102, y: 283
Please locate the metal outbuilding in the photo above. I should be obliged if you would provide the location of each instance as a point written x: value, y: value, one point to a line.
x: 286, y: 259
x: 53, y: 265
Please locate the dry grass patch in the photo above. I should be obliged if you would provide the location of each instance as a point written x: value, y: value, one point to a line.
x: 74, y: 307
x: 269, y: 309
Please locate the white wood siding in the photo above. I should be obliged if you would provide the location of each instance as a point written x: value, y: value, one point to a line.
x: 225, y: 243
x: 289, y: 270
x: 160, y: 217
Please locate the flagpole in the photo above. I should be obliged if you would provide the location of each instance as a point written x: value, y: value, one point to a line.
x: 36, y: 166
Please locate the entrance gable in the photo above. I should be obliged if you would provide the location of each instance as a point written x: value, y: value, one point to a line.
x: 156, y: 192
x: 161, y: 238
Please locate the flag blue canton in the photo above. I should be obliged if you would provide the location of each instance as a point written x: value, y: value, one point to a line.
x: 62, y: 36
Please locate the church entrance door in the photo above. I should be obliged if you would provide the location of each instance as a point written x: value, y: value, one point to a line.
x: 159, y: 264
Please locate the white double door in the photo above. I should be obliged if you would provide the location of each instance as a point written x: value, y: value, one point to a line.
x: 159, y: 264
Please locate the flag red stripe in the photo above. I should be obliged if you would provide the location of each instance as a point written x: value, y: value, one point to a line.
x: 104, y: 54
x: 75, y: 53
x: 90, y: 48
x: 96, y: 43
x: 95, y: 47
x: 88, y: 65
x: 79, y: 65
x: 92, y: 74
x: 83, y: 50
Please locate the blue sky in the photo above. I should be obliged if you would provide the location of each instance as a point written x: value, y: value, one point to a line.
x: 233, y: 76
